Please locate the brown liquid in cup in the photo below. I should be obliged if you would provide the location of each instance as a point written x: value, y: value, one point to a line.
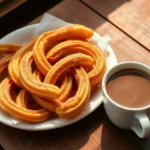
x: 130, y: 88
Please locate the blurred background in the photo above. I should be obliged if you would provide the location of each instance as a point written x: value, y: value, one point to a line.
x: 17, y: 13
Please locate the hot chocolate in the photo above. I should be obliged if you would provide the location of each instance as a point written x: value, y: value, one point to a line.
x: 130, y: 88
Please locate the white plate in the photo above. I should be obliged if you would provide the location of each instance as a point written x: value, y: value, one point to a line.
x: 22, y: 36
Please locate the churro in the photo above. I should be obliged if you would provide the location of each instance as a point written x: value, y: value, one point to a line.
x: 50, y: 38
x: 74, y: 46
x: 75, y: 105
x: 8, y: 105
x: 48, y: 91
x: 62, y: 65
x: 53, y: 73
x: 9, y: 48
x: 13, y: 68
x: 64, y: 94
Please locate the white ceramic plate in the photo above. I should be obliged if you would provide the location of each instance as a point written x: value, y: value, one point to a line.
x: 22, y: 36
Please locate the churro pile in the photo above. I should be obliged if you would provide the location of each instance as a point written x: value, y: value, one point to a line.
x: 53, y: 73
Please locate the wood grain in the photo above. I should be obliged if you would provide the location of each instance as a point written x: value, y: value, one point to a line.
x: 8, y: 5
x: 94, y: 132
x: 131, y: 16
x: 124, y: 47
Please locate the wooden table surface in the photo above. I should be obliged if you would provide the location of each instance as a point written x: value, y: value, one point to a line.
x: 8, y: 6
x: 127, y: 23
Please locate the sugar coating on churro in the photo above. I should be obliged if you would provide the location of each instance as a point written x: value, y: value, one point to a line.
x: 53, y: 73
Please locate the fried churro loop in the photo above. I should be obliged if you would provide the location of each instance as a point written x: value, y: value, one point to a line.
x: 55, y: 72
x: 41, y: 101
x: 17, y: 105
x: 76, y: 31
x: 22, y: 99
x: 75, y: 46
x: 13, y: 68
x: 9, y: 48
x: 8, y: 105
x: 66, y: 63
x: 4, y: 62
x: 75, y: 105
x: 64, y: 94
x: 48, y: 91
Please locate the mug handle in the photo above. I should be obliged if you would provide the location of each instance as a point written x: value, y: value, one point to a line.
x: 142, y: 125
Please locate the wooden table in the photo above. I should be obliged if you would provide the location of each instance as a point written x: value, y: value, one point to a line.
x: 127, y: 23
x: 7, y: 6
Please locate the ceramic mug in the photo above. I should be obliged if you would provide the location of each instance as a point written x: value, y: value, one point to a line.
x: 135, y: 119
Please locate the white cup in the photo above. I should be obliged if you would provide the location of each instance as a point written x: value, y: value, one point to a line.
x: 135, y: 119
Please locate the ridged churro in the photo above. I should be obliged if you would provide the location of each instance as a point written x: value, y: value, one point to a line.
x: 75, y: 105
x: 76, y: 31
x: 13, y: 68
x: 9, y: 48
x: 64, y: 94
x: 70, y: 47
x: 48, y: 91
x: 53, y: 73
x: 8, y: 105
x: 4, y: 62
x: 62, y: 65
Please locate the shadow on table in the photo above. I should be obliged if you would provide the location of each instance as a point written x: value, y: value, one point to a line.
x: 104, y: 7
x: 94, y: 131
x: 23, y: 14
x: 120, y: 139
x: 75, y: 136
x: 63, y: 10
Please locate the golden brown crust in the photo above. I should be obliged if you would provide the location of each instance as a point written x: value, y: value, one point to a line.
x: 75, y: 105
x: 62, y: 65
x: 65, y: 88
x: 62, y: 80
x: 9, y: 48
x: 48, y: 91
x: 49, y: 38
x: 8, y: 105
x: 4, y: 62
x: 75, y: 46
x: 13, y: 68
